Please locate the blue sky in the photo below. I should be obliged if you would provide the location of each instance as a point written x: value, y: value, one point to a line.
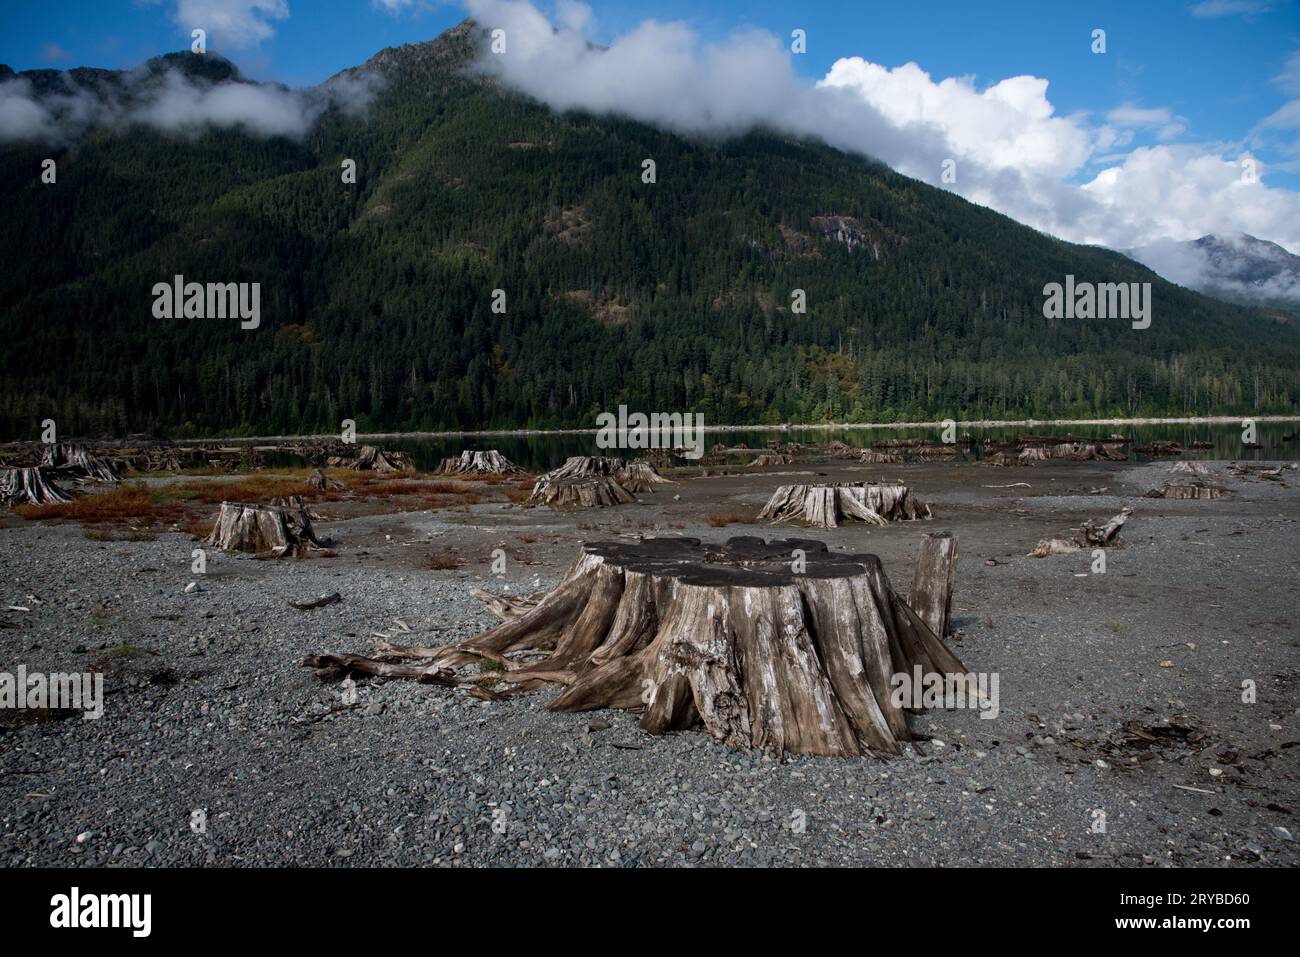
x: 1189, y: 80
x: 1214, y: 70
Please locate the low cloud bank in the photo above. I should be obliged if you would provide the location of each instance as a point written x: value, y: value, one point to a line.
x: 172, y: 102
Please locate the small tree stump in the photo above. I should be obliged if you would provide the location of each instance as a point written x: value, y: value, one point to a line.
x: 30, y: 487
x: 872, y: 457
x: 1188, y: 491
x: 275, y: 531
x: 374, y: 459
x: 639, y: 477
x: 596, y: 491
x: 927, y: 453
x: 727, y: 637
x: 825, y: 505
x: 771, y: 458
x: 491, y: 462
x: 318, y: 482
x: 932, y: 583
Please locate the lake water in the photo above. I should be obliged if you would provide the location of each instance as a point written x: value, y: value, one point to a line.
x: 537, y: 453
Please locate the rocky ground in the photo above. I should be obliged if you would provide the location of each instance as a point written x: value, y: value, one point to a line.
x: 1122, y: 737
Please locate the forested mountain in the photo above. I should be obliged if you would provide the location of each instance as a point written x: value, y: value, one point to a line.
x: 671, y: 296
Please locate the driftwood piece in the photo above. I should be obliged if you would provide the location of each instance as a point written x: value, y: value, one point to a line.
x: 30, y: 486
x: 595, y: 491
x: 727, y: 637
x: 640, y: 476
x: 272, y: 530
x: 933, y: 581
x: 1090, y: 535
x: 491, y: 462
x: 825, y: 505
x: 74, y: 460
x: 335, y: 667
x: 321, y: 602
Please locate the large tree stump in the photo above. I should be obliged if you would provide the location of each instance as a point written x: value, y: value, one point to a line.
x: 77, y: 461
x: 275, y: 531
x: 933, y: 580
x: 639, y: 477
x: 728, y: 637
x: 596, y: 491
x: 491, y: 462
x: 30, y: 487
x: 825, y: 505
x: 581, y: 468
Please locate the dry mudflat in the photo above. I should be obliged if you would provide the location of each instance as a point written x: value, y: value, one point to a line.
x: 1124, y: 736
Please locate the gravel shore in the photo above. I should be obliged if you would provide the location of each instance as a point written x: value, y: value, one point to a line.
x: 1122, y: 736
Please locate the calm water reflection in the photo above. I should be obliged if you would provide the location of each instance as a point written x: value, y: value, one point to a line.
x: 537, y: 453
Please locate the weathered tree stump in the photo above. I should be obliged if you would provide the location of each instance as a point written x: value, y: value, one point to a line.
x: 727, y: 637
x: 825, y: 505
x: 595, y: 491
x: 318, y: 482
x: 1187, y: 491
x: 640, y: 477
x: 577, y: 469
x: 764, y: 459
x: 933, y: 581
x: 373, y: 459
x: 30, y: 487
x: 872, y: 457
x: 929, y: 453
x: 76, y: 461
x: 1160, y: 447
x: 275, y: 531
x: 491, y: 462
x: 583, y: 466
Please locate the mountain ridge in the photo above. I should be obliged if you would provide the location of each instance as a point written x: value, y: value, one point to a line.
x: 377, y: 297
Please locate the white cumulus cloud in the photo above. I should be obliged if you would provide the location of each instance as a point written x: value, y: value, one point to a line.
x: 1074, y: 176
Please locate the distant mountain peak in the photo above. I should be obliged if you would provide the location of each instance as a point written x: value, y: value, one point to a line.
x: 1235, y: 266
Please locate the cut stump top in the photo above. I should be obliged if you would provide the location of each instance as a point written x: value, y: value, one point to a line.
x: 745, y: 560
